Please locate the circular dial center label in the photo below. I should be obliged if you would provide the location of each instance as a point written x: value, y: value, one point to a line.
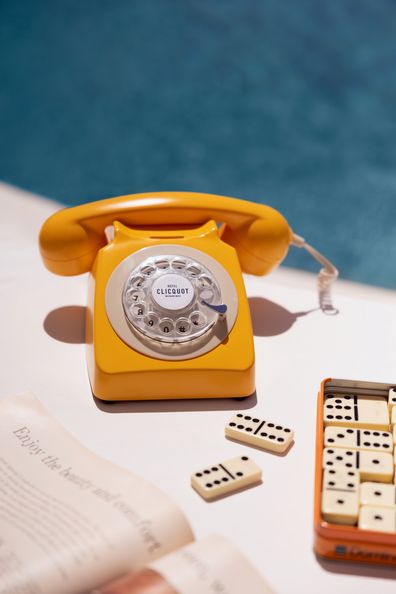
x: 172, y: 291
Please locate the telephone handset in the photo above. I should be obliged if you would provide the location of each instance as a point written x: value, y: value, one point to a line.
x: 168, y: 315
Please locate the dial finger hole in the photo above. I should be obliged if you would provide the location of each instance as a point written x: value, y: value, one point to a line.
x: 151, y: 319
x: 183, y: 326
x: 162, y: 264
x: 138, y: 310
x: 193, y: 270
x: 137, y: 281
x: 147, y: 270
x: 207, y: 295
x: 179, y: 263
x: 205, y: 281
x: 166, y: 326
x: 197, y: 318
x: 134, y: 295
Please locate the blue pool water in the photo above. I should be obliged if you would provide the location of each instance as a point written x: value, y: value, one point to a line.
x: 290, y: 103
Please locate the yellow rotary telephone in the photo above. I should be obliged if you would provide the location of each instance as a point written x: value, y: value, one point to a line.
x: 167, y: 314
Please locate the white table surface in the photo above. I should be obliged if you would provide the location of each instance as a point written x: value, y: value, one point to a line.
x: 42, y: 330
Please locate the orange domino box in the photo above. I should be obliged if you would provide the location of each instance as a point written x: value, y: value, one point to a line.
x: 337, y: 541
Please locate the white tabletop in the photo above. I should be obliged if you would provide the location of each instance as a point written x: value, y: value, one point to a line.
x: 297, y: 346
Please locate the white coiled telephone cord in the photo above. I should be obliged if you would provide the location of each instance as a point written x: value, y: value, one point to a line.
x: 326, y: 276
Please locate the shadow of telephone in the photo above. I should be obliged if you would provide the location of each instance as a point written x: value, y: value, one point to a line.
x: 167, y: 313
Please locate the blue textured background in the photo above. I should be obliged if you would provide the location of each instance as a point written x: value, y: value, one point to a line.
x: 291, y: 103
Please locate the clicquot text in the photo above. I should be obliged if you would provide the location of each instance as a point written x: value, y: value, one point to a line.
x: 172, y: 290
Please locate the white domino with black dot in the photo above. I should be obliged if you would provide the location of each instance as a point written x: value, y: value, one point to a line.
x: 392, y: 398
x: 340, y: 496
x: 364, y: 412
x: 358, y: 439
x: 221, y: 479
x: 393, y: 417
x: 382, y: 519
x: 378, y: 495
x: 394, y: 457
x: 263, y: 434
x: 372, y: 466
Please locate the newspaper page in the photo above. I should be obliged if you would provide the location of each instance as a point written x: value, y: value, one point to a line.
x: 70, y: 520
x: 210, y: 566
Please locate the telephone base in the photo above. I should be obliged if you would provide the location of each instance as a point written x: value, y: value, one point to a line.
x: 124, y: 366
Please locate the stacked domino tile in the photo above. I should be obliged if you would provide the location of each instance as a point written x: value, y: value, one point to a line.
x: 359, y: 460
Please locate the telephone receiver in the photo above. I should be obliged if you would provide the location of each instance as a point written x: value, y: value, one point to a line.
x: 70, y: 239
x: 167, y: 310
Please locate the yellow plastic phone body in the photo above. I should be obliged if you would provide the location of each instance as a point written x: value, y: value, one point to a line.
x: 253, y: 238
